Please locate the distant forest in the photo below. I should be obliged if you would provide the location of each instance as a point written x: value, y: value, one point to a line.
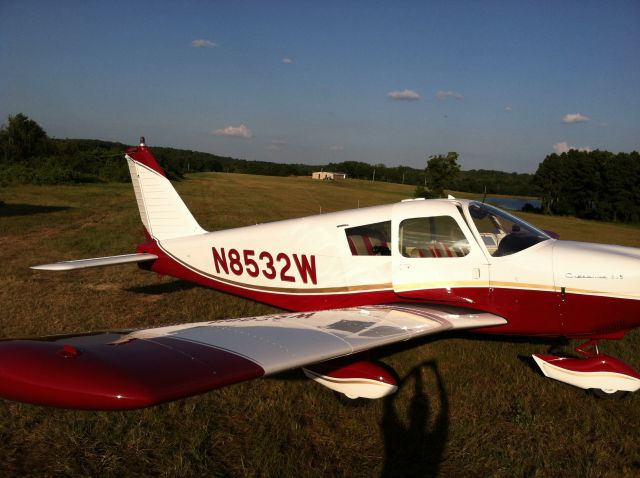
x: 594, y: 185
x: 28, y: 155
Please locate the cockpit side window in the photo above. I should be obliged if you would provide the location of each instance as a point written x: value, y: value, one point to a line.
x: 502, y: 233
x: 438, y: 236
x: 370, y: 240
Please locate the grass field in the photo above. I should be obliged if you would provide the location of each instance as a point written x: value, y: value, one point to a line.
x: 467, y: 406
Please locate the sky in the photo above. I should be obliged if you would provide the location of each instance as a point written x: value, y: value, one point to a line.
x: 502, y: 83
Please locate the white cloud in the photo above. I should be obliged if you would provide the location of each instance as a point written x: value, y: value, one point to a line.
x: 443, y: 95
x: 564, y: 147
x: 236, y: 131
x: 337, y: 147
x: 202, y: 43
x: 575, y: 118
x: 287, y: 60
x: 508, y: 109
x: 405, y: 95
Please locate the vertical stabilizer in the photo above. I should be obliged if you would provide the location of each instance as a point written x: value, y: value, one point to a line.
x: 163, y: 213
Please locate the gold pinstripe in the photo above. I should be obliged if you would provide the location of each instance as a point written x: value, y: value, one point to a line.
x: 402, y: 287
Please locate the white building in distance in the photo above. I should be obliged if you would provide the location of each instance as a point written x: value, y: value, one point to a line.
x: 327, y: 175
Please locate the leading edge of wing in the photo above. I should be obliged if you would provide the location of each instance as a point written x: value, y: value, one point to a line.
x: 110, y: 371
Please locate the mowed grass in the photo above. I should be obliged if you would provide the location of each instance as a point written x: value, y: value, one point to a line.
x: 467, y: 406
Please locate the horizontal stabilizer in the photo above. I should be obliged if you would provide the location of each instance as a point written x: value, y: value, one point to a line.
x: 95, y: 262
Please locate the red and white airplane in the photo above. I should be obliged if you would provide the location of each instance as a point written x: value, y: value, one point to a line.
x: 354, y: 280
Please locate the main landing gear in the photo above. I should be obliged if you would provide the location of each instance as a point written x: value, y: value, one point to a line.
x: 353, y: 378
x: 603, y: 375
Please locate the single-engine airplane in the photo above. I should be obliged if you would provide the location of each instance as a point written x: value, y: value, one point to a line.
x: 352, y: 281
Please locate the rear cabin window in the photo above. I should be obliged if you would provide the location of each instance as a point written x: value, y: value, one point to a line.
x: 438, y: 236
x: 370, y: 240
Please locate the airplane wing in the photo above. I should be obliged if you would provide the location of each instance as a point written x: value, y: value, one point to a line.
x: 134, y: 369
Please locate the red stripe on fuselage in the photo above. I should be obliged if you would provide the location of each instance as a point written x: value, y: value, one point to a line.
x: 289, y: 301
x: 528, y: 311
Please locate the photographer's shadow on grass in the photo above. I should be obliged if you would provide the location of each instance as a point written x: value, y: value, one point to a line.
x: 415, y: 439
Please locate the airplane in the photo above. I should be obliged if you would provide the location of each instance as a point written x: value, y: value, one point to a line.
x: 350, y: 281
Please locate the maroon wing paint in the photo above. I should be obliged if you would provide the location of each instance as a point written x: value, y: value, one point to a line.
x: 94, y: 374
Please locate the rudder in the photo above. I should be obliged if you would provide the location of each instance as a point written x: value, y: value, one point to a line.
x: 163, y: 213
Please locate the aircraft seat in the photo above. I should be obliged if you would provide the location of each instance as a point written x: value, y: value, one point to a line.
x: 438, y: 249
x: 368, y: 244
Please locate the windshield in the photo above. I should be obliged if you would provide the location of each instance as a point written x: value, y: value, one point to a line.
x: 502, y: 233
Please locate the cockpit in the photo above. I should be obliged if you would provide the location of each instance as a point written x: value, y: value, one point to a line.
x: 438, y: 231
x: 502, y: 233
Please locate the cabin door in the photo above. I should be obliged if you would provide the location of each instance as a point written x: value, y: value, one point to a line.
x: 435, y: 256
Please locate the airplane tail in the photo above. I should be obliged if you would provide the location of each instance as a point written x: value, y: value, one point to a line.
x: 163, y: 213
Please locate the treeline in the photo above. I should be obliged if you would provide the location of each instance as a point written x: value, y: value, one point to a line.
x: 591, y: 185
x: 495, y: 182
x: 28, y: 155
x: 472, y: 181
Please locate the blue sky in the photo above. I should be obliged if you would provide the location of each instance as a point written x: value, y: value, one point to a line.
x: 502, y: 83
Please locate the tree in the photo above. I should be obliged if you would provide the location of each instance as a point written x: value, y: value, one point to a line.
x: 442, y: 170
x: 22, y: 139
x: 591, y: 185
x: 420, y: 192
x: 548, y: 180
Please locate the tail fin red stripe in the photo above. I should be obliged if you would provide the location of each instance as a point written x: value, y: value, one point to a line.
x: 142, y: 155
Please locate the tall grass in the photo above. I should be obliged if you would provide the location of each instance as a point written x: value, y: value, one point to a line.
x: 467, y: 406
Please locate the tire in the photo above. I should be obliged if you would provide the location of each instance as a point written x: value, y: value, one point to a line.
x: 350, y: 402
x: 605, y: 394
